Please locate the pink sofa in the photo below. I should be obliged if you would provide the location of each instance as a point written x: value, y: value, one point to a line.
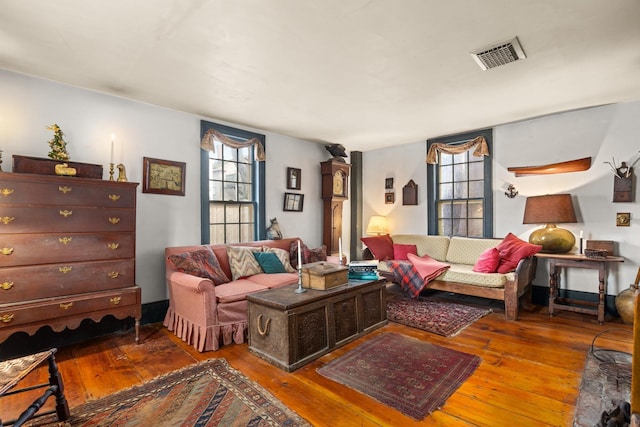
x: 205, y: 315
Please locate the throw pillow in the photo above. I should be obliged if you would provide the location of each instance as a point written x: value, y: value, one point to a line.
x: 242, y: 262
x: 283, y: 256
x: 512, y: 250
x: 200, y: 263
x: 269, y: 262
x: 488, y: 261
x: 380, y: 246
x: 308, y: 255
x: 400, y: 251
x: 427, y: 267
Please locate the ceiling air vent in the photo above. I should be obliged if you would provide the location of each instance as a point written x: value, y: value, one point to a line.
x: 499, y: 54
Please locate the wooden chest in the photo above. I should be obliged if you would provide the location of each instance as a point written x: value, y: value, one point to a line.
x: 67, y: 252
x: 290, y: 330
x: 323, y: 275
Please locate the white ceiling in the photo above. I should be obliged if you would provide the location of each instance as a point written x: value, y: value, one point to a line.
x: 366, y: 74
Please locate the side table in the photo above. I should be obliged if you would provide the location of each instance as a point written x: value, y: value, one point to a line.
x: 14, y: 370
x: 559, y: 261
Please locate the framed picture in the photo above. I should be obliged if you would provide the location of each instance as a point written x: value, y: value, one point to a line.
x: 389, y: 198
x: 388, y: 183
x: 163, y: 176
x: 294, y: 177
x: 293, y: 202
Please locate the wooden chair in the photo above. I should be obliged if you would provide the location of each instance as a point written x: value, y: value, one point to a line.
x: 14, y: 370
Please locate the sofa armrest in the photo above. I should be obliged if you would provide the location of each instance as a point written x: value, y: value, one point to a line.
x: 526, y: 272
x: 193, y: 297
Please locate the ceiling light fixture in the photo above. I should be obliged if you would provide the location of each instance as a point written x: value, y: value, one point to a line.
x: 499, y: 54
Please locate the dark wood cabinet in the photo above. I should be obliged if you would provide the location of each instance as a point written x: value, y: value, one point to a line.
x: 67, y: 252
x: 335, y: 179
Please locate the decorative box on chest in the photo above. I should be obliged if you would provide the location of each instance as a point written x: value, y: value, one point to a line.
x: 67, y: 252
x: 289, y: 329
x: 323, y: 275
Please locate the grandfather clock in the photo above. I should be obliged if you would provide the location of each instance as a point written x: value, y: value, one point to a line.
x: 335, y: 178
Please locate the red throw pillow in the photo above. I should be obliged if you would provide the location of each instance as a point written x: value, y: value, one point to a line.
x: 400, y: 251
x: 512, y: 250
x: 380, y: 246
x: 488, y: 261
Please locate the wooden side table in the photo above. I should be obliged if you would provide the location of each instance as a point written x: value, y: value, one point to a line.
x: 14, y: 370
x: 559, y: 261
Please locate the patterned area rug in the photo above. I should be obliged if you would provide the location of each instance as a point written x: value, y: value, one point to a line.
x: 438, y: 317
x: 412, y: 376
x: 210, y: 393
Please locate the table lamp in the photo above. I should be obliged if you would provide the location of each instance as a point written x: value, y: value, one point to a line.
x: 377, y: 225
x: 551, y: 209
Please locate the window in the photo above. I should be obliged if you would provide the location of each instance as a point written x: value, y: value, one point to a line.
x: 232, y: 189
x: 459, y: 190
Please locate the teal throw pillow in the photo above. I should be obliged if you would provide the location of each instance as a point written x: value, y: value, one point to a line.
x: 269, y: 262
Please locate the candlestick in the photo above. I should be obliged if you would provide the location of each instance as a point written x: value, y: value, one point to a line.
x: 299, y: 289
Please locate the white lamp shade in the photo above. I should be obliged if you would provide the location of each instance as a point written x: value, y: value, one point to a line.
x: 377, y: 225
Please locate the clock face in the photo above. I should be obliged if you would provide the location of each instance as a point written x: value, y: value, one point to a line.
x: 338, y: 183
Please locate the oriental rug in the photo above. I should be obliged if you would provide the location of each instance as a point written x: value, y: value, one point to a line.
x: 412, y: 376
x: 209, y: 393
x: 439, y: 317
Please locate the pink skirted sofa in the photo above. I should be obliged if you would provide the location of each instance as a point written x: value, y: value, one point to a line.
x: 207, y: 314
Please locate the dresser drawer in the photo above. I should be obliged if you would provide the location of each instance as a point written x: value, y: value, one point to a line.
x: 42, y: 310
x: 28, y: 249
x: 19, y: 284
x: 29, y: 190
x: 49, y: 219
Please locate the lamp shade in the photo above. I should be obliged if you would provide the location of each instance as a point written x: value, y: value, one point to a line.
x: 377, y: 225
x: 549, y: 209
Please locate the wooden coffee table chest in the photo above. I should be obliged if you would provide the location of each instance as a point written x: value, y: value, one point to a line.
x: 290, y: 330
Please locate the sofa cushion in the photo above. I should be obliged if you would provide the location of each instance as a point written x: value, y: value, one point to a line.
x: 242, y: 262
x: 401, y: 250
x: 283, y: 256
x: 308, y: 255
x: 381, y: 247
x: 237, y: 290
x: 269, y: 262
x: 512, y: 250
x: 200, y: 263
x: 463, y: 273
x: 434, y: 246
x: 467, y: 250
x: 488, y: 261
x: 276, y: 280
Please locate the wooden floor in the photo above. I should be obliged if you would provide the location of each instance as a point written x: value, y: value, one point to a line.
x: 529, y: 376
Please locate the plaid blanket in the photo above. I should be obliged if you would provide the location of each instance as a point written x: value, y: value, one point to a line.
x: 405, y: 273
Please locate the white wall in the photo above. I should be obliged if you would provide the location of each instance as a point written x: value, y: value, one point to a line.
x: 600, y: 133
x: 28, y: 105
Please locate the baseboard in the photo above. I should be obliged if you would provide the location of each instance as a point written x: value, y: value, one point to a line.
x: 21, y: 343
x: 540, y: 296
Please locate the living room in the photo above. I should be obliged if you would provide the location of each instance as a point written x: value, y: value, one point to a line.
x: 89, y: 117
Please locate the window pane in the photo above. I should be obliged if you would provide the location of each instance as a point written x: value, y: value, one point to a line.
x: 460, y: 172
x: 460, y: 190
x: 446, y: 191
x: 245, y: 154
x: 244, y: 192
x: 233, y: 233
x: 230, y: 191
x: 246, y: 213
x: 229, y: 153
x: 232, y: 213
x: 246, y: 232
x: 230, y: 171
x: 217, y: 233
x: 446, y: 159
x: 475, y: 228
x: 217, y: 150
x: 476, y: 189
x: 215, y: 191
x: 215, y: 169
x: 244, y: 173
x: 476, y: 170
x: 446, y: 173
x: 216, y: 213
x: 460, y: 158
x: 475, y: 209
x: 444, y: 210
x: 444, y: 227
x: 460, y: 227
x: 459, y: 210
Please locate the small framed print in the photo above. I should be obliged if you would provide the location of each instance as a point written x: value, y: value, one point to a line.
x: 293, y: 202
x: 294, y: 177
x: 163, y: 176
x: 388, y: 183
x: 389, y: 198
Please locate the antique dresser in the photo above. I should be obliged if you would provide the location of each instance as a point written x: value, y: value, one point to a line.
x: 67, y: 252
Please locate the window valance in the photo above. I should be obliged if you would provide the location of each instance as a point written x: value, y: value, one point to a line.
x: 211, y: 136
x: 480, y: 144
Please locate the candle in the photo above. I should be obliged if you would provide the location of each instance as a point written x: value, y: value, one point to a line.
x: 113, y: 137
x: 340, y: 247
x: 299, y: 256
x: 581, y: 234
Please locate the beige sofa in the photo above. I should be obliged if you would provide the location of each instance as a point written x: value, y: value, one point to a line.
x: 461, y: 253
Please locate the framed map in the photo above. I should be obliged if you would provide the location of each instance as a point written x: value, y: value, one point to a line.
x: 163, y: 176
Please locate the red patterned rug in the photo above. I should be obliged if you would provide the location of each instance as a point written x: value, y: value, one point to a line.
x: 209, y: 393
x: 438, y: 317
x: 412, y: 376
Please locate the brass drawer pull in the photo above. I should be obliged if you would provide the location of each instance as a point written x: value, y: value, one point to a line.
x: 66, y: 306
x: 6, y: 318
x: 113, y: 246
x: 7, y: 219
x: 115, y: 300
x: 7, y: 192
x: 65, y: 270
x: 66, y: 213
x: 65, y: 240
x: 6, y: 285
x: 114, y: 197
x: 7, y: 251
x: 113, y: 274
x: 264, y: 331
x: 64, y: 189
x: 114, y: 221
